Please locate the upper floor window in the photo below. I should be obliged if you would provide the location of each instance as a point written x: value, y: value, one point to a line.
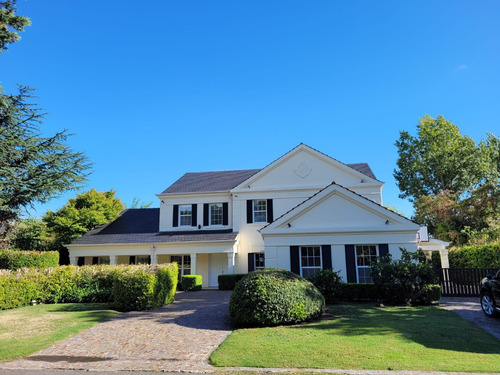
x: 216, y: 214
x: 310, y: 260
x: 366, y: 255
x: 185, y: 215
x: 260, y: 211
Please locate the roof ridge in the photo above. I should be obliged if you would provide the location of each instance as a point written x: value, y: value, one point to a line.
x: 227, y: 170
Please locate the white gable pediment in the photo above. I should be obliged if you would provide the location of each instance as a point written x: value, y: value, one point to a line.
x: 304, y: 167
x: 337, y: 209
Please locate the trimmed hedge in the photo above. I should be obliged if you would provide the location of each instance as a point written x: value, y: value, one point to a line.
x: 329, y: 283
x: 191, y: 282
x: 478, y: 256
x: 16, y: 259
x: 271, y: 297
x: 228, y: 281
x: 357, y: 292
x: 130, y: 287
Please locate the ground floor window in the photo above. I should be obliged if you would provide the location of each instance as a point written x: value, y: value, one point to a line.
x: 184, y: 263
x: 104, y: 260
x: 366, y: 255
x: 310, y: 260
x: 260, y: 261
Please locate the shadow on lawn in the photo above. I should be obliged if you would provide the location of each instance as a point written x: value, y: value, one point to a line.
x: 429, y: 326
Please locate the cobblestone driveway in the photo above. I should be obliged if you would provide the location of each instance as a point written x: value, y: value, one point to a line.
x: 178, y: 337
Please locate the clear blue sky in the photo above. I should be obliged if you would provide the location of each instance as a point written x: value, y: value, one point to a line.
x: 154, y: 89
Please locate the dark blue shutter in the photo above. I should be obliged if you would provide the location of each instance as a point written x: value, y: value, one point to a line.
x: 270, y: 215
x: 294, y: 260
x: 225, y: 213
x: 249, y: 211
x: 350, y: 264
x: 131, y: 259
x: 251, y: 262
x: 194, y: 215
x: 175, y: 218
x: 383, y: 249
x: 95, y: 260
x: 80, y: 261
x: 326, y: 254
x: 206, y: 210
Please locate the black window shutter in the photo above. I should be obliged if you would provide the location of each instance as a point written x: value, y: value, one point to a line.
x: 225, y: 213
x: 149, y: 259
x: 80, y: 261
x: 270, y: 215
x: 350, y: 264
x: 175, y: 218
x: 249, y: 211
x: 95, y: 260
x: 206, y: 211
x: 132, y: 259
x: 326, y: 254
x: 383, y: 249
x: 251, y: 262
x: 194, y: 215
x: 294, y: 260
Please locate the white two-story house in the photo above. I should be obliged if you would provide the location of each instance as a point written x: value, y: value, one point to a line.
x: 303, y: 212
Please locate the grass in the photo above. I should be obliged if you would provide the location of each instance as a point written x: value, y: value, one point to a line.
x: 362, y: 336
x: 28, y: 329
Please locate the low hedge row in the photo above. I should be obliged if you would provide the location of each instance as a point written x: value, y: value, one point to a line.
x: 479, y: 256
x: 16, y: 259
x: 128, y: 287
x: 191, y: 282
x: 228, y: 281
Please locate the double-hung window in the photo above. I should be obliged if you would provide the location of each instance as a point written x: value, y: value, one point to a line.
x: 310, y: 260
x: 184, y: 264
x: 366, y: 255
x: 216, y: 214
x: 260, y: 211
x: 185, y: 215
x: 260, y: 261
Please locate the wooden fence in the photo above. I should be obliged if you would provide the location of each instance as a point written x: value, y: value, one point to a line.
x: 462, y: 282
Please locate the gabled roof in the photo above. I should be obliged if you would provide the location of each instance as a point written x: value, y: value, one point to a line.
x: 141, y: 226
x: 304, y: 205
x: 226, y: 180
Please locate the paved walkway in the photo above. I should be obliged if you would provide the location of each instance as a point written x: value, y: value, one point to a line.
x: 469, y: 308
x: 177, y: 337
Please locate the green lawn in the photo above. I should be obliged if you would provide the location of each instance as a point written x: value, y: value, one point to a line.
x: 362, y: 336
x: 28, y: 329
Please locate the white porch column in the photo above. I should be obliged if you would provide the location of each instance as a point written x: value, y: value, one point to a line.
x: 193, y: 263
x: 444, y: 258
x: 113, y: 260
x: 230, y: 263
x: 73, y: 260
x: 154, y: 258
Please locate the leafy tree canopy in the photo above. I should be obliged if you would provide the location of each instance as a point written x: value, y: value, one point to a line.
x: 33, y: 168
x: 83, y: 213
x: 10, y: 24
x: 139, y: 203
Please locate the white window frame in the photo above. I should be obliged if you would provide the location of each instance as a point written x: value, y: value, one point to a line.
x: 210, y: 206
x: 259, y: 211
x: 181, y: 266
x: 190, y: 208
x: 358, y: 267
x: 256, y: 257
x: 320, y: 267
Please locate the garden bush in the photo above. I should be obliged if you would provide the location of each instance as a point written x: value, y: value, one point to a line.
x: 478, y: 256
x: 329, y: 283
x: 191, y: 282
x: 273, y: 296
x: 228, y: 281
x: 16, y: 259
x: 404, y: 280
x: 357, y: 292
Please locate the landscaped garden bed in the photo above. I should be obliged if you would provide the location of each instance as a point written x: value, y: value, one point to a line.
x: 362, y: 336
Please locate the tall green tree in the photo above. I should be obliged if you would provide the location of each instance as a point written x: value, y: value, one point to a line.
x: 10, y: 24
x: 438, y: 159
x: 33, y: 168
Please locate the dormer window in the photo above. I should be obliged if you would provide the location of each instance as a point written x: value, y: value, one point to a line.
x: 216, y: 214
x: 185, y: 215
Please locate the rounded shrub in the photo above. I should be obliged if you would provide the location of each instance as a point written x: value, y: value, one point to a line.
x: 272, y: 297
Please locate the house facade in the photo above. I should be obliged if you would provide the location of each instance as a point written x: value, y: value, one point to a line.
x: 303, y: 212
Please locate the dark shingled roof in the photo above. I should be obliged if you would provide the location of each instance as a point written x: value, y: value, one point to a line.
x: 141, y: 225
x: 226, y: 180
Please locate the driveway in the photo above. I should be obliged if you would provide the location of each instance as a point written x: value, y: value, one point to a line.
x: 470, y: 309
x: 177, y: 337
